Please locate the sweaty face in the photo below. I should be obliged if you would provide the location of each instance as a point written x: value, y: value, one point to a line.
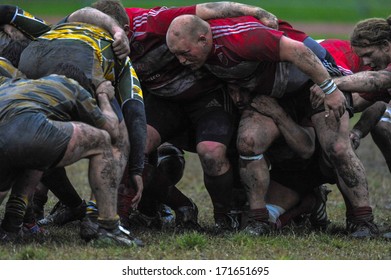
x: 191, y: 53
x: 239, y: 96
x: 377, y: 57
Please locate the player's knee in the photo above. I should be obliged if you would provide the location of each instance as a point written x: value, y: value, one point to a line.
x: 213, y: 156
x: 171, y: 163
x: 338, y: 150
x: 249, y: 144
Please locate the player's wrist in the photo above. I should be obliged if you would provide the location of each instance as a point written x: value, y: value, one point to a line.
x: 328, y: 86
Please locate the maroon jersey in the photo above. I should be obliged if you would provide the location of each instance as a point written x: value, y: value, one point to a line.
x: 159, y: 71
x: 348, y: 62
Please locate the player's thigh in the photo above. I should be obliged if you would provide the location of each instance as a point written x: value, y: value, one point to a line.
x: 86, y: 141
x: 257, y: 131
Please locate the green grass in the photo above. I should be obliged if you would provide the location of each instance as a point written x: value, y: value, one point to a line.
x: 298, y: 10
x: 294, y: 243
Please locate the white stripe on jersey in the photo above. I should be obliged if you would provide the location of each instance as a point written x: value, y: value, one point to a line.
x: 345, y: 71
x: 330, y: 68
x: 142, y: 19
x: 224, y: 30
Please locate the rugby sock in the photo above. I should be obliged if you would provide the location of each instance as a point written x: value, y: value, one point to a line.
x: 39, y: 200
x: 125, y: 196
x: 176, y: 199
x: 220, y: 191
x: 259, y: 214
x: 92, y: 210
x: 360, y: 214
x: 57, y: 181
x: 15, y: 210
x: 109, y: 224
x: 275, y: 211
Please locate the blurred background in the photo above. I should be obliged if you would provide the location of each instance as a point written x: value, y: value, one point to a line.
x: 298, y: 10
x: 319, y: 18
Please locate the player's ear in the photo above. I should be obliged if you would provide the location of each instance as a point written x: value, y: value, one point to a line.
x: 386, y: 45
x: 127, y: 29
x: 202, y: 39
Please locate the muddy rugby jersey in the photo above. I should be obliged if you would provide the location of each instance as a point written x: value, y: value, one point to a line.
x: 348, y: 62
x: 158, y: 69
x: 58, y: 97
x: 246, y: 52
x: 121, y: 73
x: 8, y: 70
x: 30, y: 25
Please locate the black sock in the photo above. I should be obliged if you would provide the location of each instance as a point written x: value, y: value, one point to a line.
x: 15, y: 210
x: 57, y: 181
x: 220, y: 191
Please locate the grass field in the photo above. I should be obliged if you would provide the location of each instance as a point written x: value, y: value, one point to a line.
x: 292, y: 244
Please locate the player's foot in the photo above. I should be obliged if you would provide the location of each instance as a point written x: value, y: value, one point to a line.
x: 117, y: 237
x: 362, y: 229
x: 257, y: 228
x: 186, y: 219
x: 318, y: 217
x: 62, y: 214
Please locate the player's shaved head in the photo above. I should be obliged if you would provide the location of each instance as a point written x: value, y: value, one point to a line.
x: 186, y: 27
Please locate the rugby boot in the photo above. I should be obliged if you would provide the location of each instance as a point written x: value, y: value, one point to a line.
x: 360, y: 223
x: 362, y: 229
x: 62, y: 214
x: 318, y: 216
x: 117, y: 236
x: 142, y: 221
x: 257, y: 228
x: 33, y: 229
x: 186, y: 219
x: 10, y: 237
x: 167, y: 215
x: 226, y: 223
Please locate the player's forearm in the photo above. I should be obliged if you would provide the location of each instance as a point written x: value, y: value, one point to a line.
x: 367, y: 81
x: 7, y: 12
x: 31, y: 26
x: 369, y: 118
x: 232, y: 9
x: 300, y: 139
x: 135, y: 120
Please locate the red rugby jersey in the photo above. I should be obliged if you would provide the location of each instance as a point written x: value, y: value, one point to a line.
x: 348, y: 62
x: 159, y: 71
x: 247, y: 52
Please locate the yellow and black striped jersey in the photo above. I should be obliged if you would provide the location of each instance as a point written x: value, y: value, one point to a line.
x: 58, y: 97
x: 8, y: 70
x: 121, y: 73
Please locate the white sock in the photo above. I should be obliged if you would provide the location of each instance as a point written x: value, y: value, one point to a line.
x: 275, y: 211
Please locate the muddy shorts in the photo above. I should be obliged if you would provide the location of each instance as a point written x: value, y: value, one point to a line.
x: 31, y: 141
x: 211, y: 117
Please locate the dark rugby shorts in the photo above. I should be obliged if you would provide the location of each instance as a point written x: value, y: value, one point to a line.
x: 31, y: 141
x: 211, y: 117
